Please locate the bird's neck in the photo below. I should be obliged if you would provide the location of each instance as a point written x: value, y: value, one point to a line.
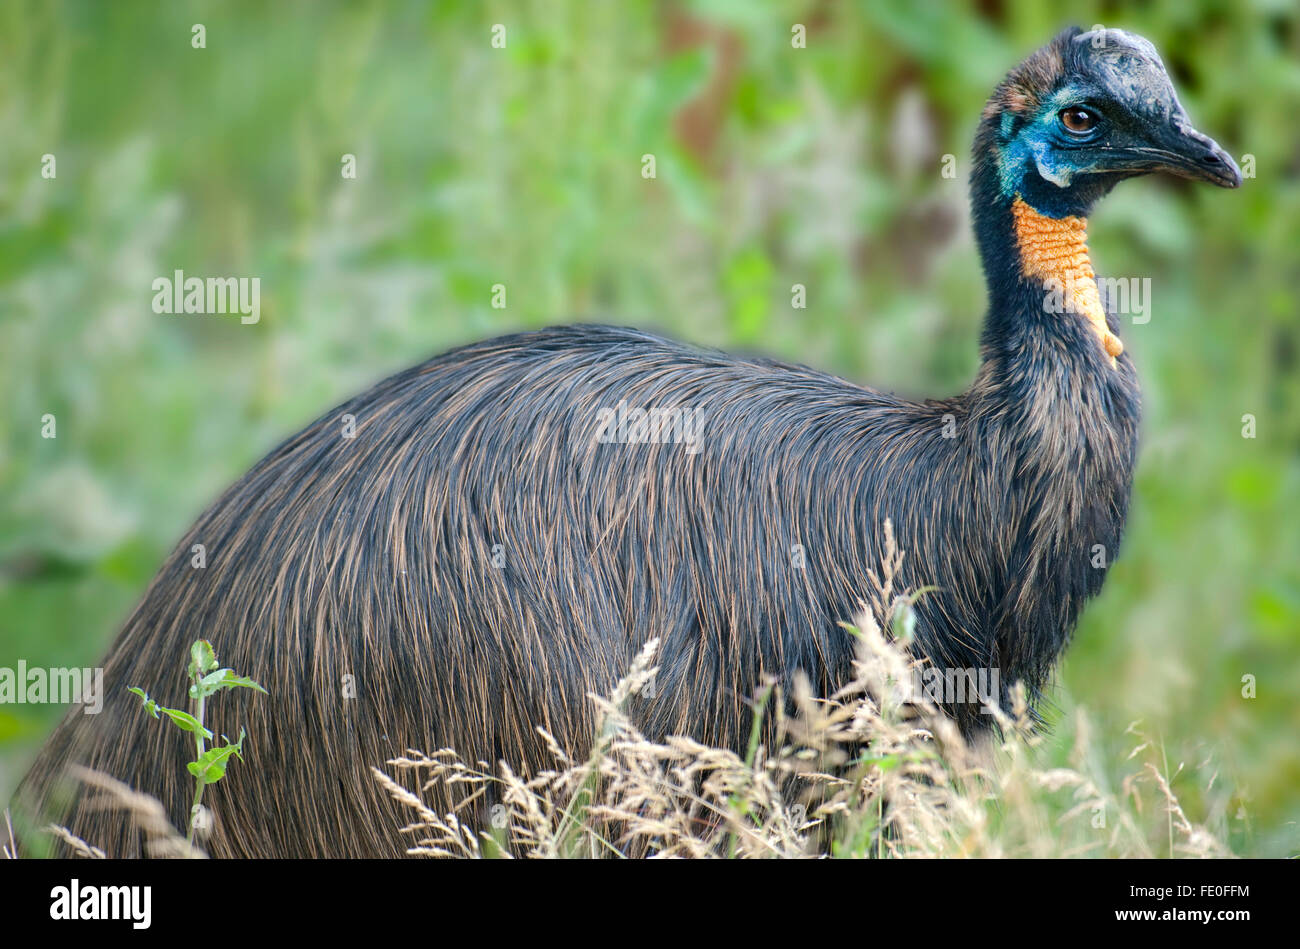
x: 1053, y: 369
x: 1054, y: 253
x: 1043, y: 296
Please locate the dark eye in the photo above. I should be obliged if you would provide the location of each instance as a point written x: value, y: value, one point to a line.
x: 1078, y: 120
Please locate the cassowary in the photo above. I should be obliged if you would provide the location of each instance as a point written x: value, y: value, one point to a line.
x: 510, y: 522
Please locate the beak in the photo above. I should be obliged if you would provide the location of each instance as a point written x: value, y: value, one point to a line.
x: 1181, y: 150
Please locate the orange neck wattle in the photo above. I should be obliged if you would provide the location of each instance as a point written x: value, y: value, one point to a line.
x: 1055, y: 251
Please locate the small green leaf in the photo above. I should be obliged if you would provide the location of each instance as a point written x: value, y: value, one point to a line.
x: 232, y: 681
x: 185, y: 721
x: 222, y: 679
x: 211, y: 766
x: 212, y: 678
x: 150, y: 705
x: 209, y: 683
x: 206, y: 771
x: 202, y: 659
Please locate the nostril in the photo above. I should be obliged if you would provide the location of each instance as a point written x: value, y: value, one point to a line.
x: 1211, y: 159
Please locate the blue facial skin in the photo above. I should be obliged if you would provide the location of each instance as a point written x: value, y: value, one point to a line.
x: 1045, y: 143
x: 1056, y: 171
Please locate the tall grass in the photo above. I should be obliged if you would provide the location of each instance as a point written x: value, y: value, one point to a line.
x: 874, y: 770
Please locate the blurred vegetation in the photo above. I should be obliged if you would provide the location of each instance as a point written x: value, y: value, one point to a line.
x: 522, y: 166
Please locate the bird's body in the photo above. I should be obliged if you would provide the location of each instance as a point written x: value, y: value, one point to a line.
x: 504, y: 531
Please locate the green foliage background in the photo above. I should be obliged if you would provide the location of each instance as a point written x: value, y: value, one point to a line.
x: 522, y: 166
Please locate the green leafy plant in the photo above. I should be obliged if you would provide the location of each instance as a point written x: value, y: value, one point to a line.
x: 206, y: 679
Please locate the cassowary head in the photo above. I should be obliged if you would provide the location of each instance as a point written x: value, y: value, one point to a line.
x: 1084, y: 112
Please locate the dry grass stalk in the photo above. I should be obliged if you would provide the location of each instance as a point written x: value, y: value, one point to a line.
x: 875, y: 769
